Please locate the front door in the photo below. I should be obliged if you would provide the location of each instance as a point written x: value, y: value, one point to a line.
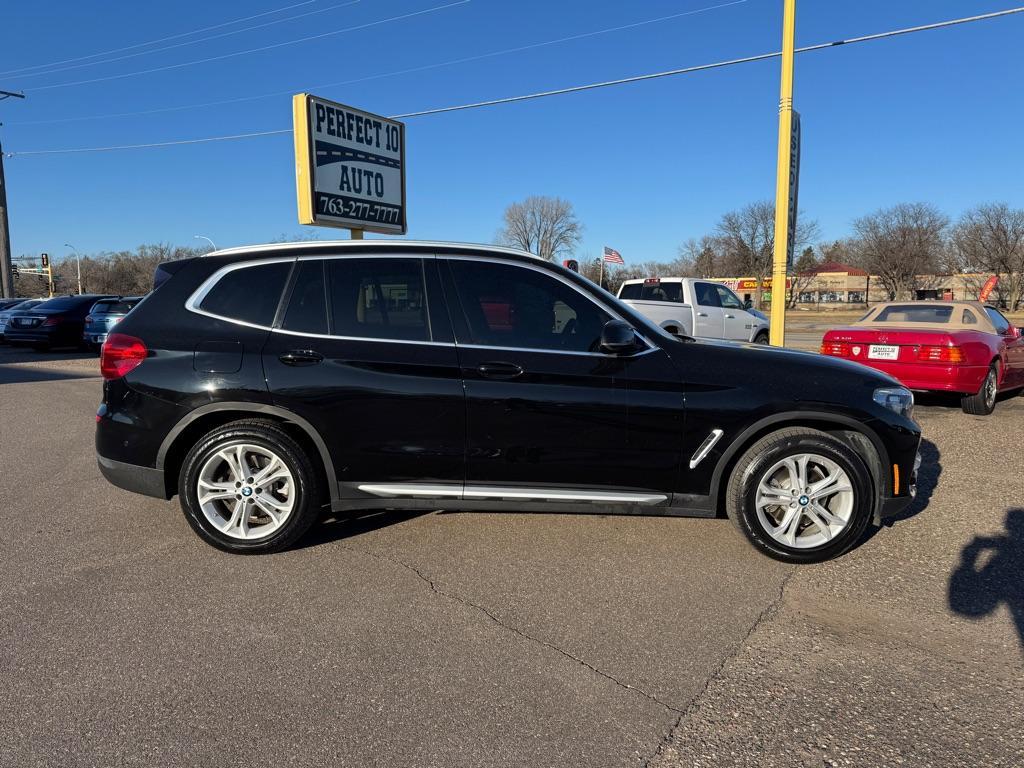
x: 365, y: 353
x: 546, y: 410
x: 736, y: 321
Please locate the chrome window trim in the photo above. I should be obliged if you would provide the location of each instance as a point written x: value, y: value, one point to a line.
x: 193, y: 301
x: 368, y: 246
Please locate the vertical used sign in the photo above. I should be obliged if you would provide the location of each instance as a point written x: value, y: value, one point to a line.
x: 794, y: 186
x: 349, y: 167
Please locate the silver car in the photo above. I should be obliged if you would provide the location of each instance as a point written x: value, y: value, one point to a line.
x: 5, y: 315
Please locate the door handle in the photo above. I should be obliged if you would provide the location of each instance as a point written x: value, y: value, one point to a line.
x: 301, y: 357
x: 731, y: 317
x: 702, y: 314
x: 500, y: 370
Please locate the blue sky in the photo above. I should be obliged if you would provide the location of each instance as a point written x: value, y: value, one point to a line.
x: 935, y: 116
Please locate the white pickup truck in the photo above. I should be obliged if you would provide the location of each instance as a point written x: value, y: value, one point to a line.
x: 691, y: 307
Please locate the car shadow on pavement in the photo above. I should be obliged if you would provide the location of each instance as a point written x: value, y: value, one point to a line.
x: 990, y: 573
x: 9, y: 354
x: 346, y: 526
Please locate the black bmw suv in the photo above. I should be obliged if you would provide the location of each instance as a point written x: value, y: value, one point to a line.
x: 268, y: 385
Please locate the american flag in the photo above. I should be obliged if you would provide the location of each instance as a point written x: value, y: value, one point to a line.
x: 612, y: 256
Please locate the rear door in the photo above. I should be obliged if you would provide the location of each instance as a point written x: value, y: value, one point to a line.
x: 736, y: 323
x: 363, y: 350
x: 709, y: 322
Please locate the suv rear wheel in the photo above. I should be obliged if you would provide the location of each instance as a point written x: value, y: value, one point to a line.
x: 800, y: 495
x: 248, y: 487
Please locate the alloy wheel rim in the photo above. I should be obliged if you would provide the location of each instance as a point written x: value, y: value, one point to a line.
x: 245, y: 491
x: 990, y: 387
x: 804, y: 501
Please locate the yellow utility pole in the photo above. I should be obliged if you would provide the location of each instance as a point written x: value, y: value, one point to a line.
x: 785, y: 193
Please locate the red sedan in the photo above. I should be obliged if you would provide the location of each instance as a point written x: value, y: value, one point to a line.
x: 950, y: 346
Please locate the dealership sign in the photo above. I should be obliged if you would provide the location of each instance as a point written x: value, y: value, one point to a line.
x: 349, y: 167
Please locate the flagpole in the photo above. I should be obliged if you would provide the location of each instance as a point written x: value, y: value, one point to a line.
x: 600, y: 277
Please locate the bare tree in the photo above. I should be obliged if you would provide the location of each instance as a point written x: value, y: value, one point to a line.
x: 748, y: 237
x: 700, y: 258
x: 900, y: 243
x: 803, y: 274
x: 990, y: 239
x: 546, y: 226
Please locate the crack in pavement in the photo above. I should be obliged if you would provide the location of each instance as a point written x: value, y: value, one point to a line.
x: 769, y: 611
x: 480, y: 609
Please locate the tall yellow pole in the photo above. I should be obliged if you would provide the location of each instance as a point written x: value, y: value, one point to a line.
x: 778, y: 318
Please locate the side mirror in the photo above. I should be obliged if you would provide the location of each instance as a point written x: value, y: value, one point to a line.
x: 1014, y: 332
x: 617, y: 336
x: 748, y: 304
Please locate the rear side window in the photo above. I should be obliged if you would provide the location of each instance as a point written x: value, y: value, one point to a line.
x: 248, y: 294
x: 969, y: 318
x: 307, y: 306
x: 1001, y: 323
x: 379, y: 298
x: 112, y: 307
x: 707, y: 294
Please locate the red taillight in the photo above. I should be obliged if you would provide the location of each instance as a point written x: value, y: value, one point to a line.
x: 120, y: 354
x: 52, y: 321
x: 835, y: 348
x: 940, y: 354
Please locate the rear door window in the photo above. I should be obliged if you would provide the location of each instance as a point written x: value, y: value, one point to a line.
x: 377, y: 298
x: 307, y: 305
x: 654, y: 290
x: 248, y: 294
x: 707, y: 294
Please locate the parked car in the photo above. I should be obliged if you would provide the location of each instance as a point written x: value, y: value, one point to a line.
x: 265, y: 384
x: 56, y: 322
x: 689, y: 307
x: 104, y: 315
x: 950, y: 346
x: 9, y: 303
x: 21, y: 305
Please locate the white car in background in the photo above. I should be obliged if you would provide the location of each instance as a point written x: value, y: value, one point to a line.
x: 689, y: 306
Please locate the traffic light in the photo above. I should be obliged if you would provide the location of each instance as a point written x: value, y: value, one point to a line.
x: 45, y: 259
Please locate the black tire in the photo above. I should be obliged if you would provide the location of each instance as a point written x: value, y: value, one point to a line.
x: 983, y: 402
x: 757, y: 460
x: 761, y: 338
x: 266, y: 434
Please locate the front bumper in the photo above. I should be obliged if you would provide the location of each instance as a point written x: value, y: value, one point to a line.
x: 893, y: 505
x: 131, y: 477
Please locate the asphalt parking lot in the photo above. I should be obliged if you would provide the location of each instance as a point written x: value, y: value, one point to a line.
x: 500, y: 639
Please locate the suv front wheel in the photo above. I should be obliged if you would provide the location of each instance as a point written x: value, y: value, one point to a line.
x: 800, y: 495
x: 248, y: 487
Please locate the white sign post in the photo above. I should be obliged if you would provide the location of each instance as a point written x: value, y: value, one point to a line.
x: 349, y: 167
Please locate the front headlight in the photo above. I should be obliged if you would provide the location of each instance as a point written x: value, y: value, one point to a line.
x: 899, y: 400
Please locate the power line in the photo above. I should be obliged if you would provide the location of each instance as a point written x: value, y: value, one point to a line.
x: 160, y: 40
x: 269, y: 47
x: 192, y: 42
x: 393, y: 73
x: 562, y: 91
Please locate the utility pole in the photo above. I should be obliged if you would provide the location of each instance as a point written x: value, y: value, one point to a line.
x: 785, y: 193
x: 6, y: 273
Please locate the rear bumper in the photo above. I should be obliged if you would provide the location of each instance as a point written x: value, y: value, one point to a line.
x: 932, y: 377
x: 132, y: 477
